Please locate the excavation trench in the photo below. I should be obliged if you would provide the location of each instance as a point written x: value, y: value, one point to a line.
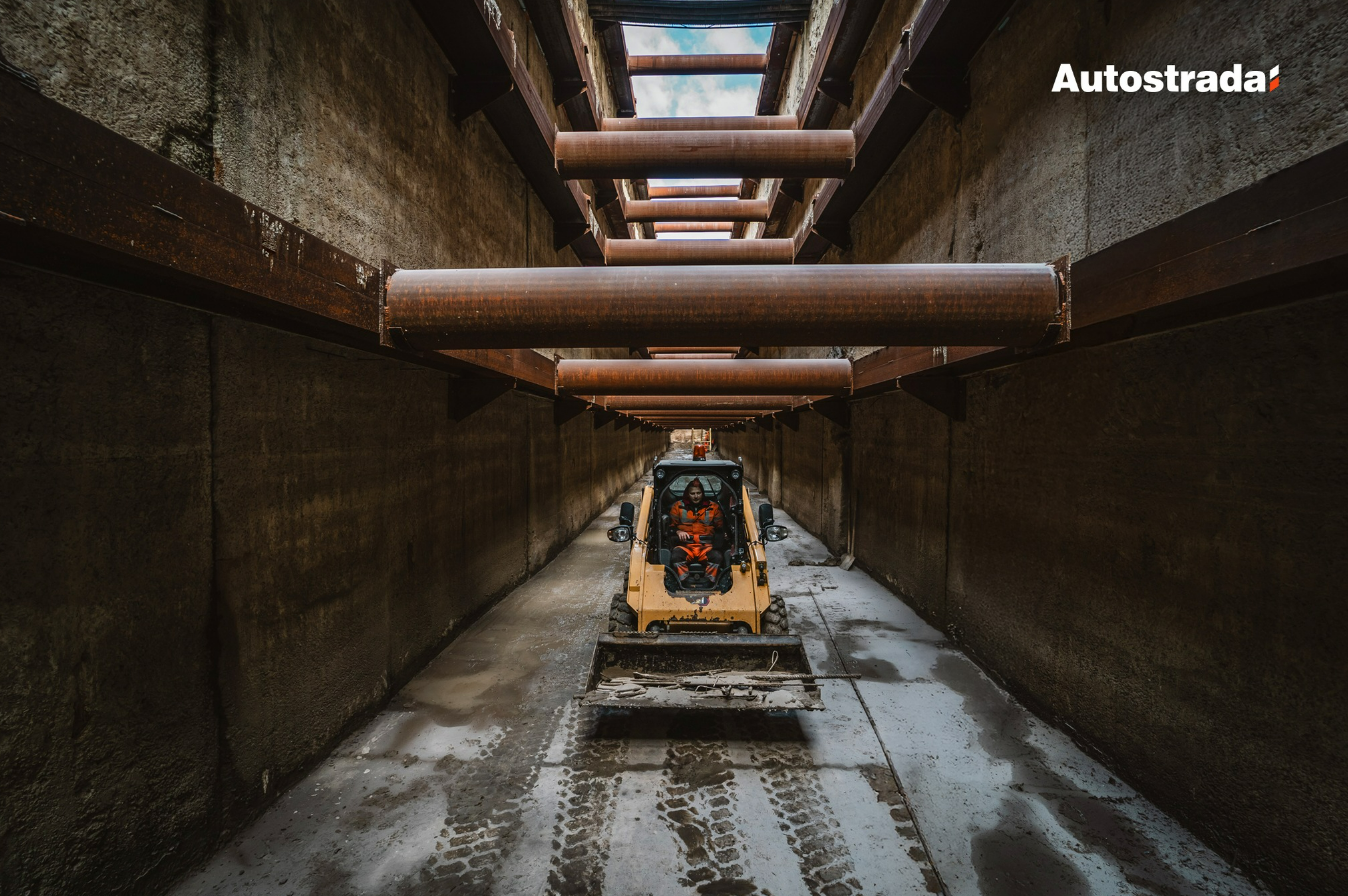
x: 484, y: 775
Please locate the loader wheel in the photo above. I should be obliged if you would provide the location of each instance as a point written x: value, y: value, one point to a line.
x: 621, y: 617
x: 774, y: 617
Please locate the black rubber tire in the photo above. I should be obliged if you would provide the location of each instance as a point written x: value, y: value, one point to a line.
x: 774, y: 618
x: 621, y: 616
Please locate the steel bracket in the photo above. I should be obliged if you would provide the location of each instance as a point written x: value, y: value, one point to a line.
x: 835, y: 410
x: 839, y: 233
x: 566, y: 409
x: 564, y: 233
x: 944, y: 393
x: 947, y: 91
x: 471, y: 95
x: 468, y: 395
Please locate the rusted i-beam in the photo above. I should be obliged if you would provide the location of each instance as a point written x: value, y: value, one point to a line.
x: 1019, y: 305
x: 700, y: 123
x: 829, y: 376
x: 698, y: 64
x: 696, y: 210
x: 628, y: 253
x: 590, y: 154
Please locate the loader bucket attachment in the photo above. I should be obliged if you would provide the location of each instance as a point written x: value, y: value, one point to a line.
x: 687, y: 671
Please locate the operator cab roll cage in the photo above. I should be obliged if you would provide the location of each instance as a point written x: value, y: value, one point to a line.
x: 732, y: 541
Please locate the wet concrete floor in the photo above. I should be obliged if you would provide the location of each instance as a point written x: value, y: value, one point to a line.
x: 484, y: 776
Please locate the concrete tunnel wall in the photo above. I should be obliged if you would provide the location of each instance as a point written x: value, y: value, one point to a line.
x: 1142, y: 539
x: 225, y: 545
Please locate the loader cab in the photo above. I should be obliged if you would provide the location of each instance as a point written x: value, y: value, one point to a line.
x: 722, y: 481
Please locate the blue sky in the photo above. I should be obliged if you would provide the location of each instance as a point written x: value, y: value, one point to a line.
x: 695, y: 94
x: 685, y: 95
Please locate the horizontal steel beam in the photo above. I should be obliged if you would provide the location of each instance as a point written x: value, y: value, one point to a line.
x: 693, y: 226
x: 758, y: 377
x: 695, y: 192
x: 82, y: 201
x: 697, y: 210
x: 699, y: 12
x: 629, y: 253
x: 589, y: 154
x: 698, y: 64
x: 1018, y: 305
x: 704, y: 123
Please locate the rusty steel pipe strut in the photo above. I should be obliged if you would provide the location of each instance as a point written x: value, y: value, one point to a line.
x: 692, y: 191
x: 629, y: 253
x: 698, y: 64
x: 693, y: 348
x: 691, y: 356
x: 1018, y: 305
x: 640, y: 404
x: 710, y: 415
x: 697, y: 210
x: 693, y: 226
x: 831, y: 376
x: 698, y: 123
x: 627, y: 154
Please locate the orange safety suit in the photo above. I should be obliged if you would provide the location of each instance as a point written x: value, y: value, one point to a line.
x: 700, y: 520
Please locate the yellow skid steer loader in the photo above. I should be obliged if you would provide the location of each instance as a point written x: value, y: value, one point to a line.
x: 696, y: 626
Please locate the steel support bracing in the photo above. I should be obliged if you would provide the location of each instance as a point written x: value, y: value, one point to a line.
x: 629, y: 253
x: 697, y: 210
x: 1021, y: 305
x: 831, y: 376
x: 698, y: 64
x: 589, y: 154
x: 704, y: 123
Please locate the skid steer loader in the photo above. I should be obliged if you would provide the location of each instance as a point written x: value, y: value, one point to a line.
x: 696, y: 625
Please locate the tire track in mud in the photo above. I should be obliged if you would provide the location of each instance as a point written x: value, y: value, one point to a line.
x: 485, y: 796
x: 592, y: 765
x: 803, y: 812
x: 698, y: 803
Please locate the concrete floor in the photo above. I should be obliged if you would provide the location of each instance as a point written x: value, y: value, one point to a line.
x: 483, y: 776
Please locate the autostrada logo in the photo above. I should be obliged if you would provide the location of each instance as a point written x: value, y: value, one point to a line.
x: 1172, y: 80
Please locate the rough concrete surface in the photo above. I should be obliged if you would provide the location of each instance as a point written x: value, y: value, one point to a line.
x: 1029, y: 175
x: 223, y: 546
x: 484, y: 776
x: 1143, y: 539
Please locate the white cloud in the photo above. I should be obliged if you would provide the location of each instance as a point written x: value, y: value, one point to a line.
x: 736, y: 40
x: 685, y: 95
x: 695, y: 95
x: 650, y: 41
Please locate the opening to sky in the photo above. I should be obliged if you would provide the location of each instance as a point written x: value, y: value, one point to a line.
x: 684, y: 95
x: 668, y: 96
